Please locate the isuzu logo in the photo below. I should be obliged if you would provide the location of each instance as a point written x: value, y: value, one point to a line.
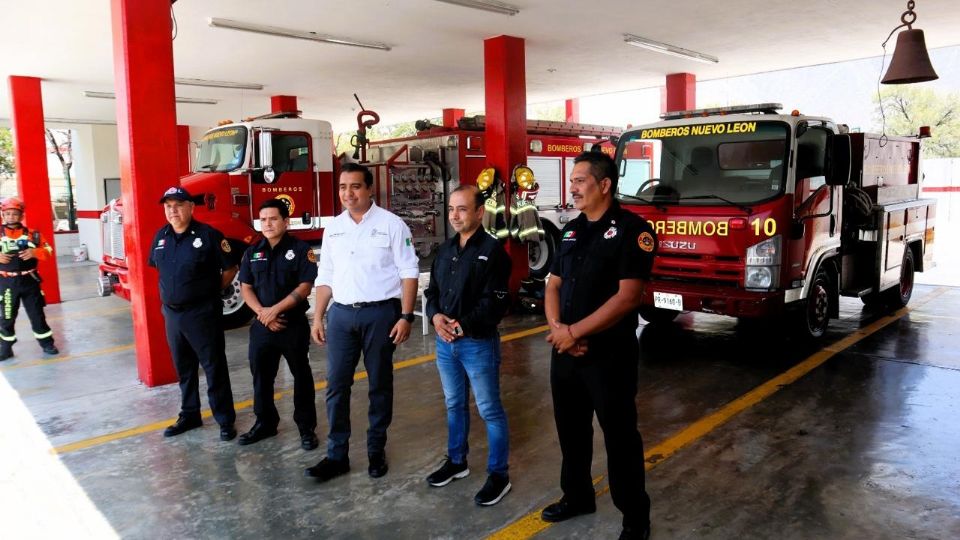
x: 678, y: 244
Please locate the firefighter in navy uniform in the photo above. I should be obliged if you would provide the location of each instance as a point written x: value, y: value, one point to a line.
x: 595, y: 286
x: 276, y: 277
x: 20, y: 251
x: 195, y: 263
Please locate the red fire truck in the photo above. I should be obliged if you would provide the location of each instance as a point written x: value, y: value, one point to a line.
x: 762, y: 214
x: 414, y: 175
x: 240, y: 165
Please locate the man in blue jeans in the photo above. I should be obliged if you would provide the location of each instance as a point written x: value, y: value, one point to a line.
x: 466, y: 299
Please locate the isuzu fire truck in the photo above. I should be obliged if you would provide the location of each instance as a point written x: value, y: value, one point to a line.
x: 762, y: 214
x: 414, y: 175
x: 238, y: 167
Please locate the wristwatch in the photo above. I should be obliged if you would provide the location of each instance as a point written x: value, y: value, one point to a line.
x: 407, y: 317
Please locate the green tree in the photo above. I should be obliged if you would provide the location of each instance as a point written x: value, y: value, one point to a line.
x: 7, y: 167
x: 60, y: 144
x: 907, y: 107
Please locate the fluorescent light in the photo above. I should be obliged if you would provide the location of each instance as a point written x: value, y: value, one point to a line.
x: 486, y: 5
x: 218, y: 84
x: 296, y: 34
x: 111, y: 95
x: 672, y: 50
x: 50, y: 120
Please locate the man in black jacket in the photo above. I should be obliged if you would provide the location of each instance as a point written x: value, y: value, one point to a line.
x: 466, y: 299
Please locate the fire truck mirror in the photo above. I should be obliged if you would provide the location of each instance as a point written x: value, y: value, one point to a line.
x: 266, y: 150
x: 838, y: 160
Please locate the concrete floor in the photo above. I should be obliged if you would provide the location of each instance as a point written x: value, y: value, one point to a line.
x: 863, y: 446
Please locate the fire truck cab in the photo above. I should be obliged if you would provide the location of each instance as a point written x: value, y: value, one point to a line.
x: 238, y: 166
x: 761, y: 214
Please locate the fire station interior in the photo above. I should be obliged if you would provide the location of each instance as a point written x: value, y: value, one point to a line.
x: 751, y: 428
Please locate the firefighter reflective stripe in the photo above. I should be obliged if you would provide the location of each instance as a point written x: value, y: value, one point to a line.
x: 8, y: 338
x: 41, y: 336
x: 8, y: 304
x: 494, y: 220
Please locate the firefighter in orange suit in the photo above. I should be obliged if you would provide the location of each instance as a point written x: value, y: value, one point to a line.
x: 20, y: 251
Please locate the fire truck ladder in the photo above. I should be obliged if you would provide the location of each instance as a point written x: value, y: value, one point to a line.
x: 548, y: 127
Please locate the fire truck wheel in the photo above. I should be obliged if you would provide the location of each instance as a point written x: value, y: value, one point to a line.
x: 898, y: 296
x: 235, y: 312
x: 104, y: 286
x: 541, y: 254
x: 815, y: 314
x: 657, y: 315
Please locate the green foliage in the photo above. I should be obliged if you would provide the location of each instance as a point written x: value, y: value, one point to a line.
x: 6, y: 153
x: 907, y: 107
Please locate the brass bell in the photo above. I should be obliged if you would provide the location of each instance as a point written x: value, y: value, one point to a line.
x: 911, y: 62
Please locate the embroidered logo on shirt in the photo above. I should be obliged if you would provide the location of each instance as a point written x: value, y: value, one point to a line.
x: 257, y: 256
x: 611, y: 232
x: 197, y: 243
x: 570, y: 236
x: 289, y: 256
x: 482, y: 257
x: 224, y: 245
x: 311, y: 256
x: 408, y: 242
x: 645, y: 241
x: 160, y: 243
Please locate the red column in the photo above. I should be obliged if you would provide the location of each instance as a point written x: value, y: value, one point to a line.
x: 147, y: 136
x: 183, y: 150
x: 681, y: 92
x: 573, y: 110
x: 450, y: 117
x: 283, y: 104
x: 505, y: 88
x: 33, y: 183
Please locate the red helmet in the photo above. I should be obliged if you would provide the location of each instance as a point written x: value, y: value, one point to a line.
x: 11, y: 203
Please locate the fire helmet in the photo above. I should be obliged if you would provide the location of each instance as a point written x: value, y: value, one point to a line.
x: 11, y: 203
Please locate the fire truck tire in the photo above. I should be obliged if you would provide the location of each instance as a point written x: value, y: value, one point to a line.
x: 814, y: 316
x: 235, y: 312
x: 541, y: 254
x: 104, y: 286
x: 655, y: 315
x: 899, y: 295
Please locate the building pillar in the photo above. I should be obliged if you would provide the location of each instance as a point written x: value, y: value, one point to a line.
x: 505, y: 89
x: 147, y: 140
x: 33, y: 182
x: 573, y: 110
x: 280, y: 104
x: 451, y: 116
x: 680, y: 93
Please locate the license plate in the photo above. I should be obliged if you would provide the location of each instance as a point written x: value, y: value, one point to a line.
x: 668, y: 301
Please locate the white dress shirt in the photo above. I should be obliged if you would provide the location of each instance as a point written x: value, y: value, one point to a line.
x: 364, y: 262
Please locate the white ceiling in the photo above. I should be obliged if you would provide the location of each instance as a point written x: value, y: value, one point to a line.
x: 573, y: 48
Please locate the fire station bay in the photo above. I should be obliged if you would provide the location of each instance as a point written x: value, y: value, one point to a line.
x: 477, y: 269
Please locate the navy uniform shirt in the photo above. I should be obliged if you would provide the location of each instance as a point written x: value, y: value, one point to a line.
x: 470, y: 284
x: 275, y: 272
x: 190, y: 264
x: 594, y: 257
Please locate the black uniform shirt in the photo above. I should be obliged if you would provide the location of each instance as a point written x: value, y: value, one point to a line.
x: 470, y: 285
x: 190, y: 264
x: 594, y: 257
x: 276, y: 272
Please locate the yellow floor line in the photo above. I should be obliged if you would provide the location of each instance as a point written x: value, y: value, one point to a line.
x: 531, y: 524
x: 65, y: 358
x: 88, y: 313
x: 242, y: 405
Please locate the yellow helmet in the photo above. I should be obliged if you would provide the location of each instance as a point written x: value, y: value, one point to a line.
x: 486, y: 178
x: 524, y: 177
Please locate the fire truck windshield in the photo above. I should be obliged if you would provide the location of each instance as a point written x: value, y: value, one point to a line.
x: 726, y: 162
x: 222, y: 149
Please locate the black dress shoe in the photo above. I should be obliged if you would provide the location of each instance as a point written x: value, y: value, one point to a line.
x: 227, y: 432
x: 309, y: 440
x: 564, y: 509
x: 183, y: 424
x: 378, y: 466
x: 257, y: 433
x: 51, y: 350
x: 328, y: 469
x: 633, y: 533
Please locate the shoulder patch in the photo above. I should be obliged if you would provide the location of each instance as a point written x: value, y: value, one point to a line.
x: 311, y: 257
x: 225, y: 246
x: 645, y: 241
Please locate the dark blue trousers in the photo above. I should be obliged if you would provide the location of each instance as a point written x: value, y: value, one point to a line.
x: 195, y: 336
x: 265, y: 349
x: 350, y: 332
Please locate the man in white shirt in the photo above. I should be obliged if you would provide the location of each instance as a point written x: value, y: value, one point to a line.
x: 368, y: 267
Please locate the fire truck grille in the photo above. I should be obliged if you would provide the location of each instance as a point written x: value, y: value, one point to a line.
x: 113, y: 235
x: 699, y: 269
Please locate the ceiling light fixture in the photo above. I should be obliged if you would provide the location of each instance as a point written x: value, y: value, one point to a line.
x: 666, y: 48
x: 486, y: 5
x: 218, y: 84
x: 111, y: 95
x: 296, y: 34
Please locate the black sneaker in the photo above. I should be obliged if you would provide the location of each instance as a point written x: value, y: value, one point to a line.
x: 494, y: 489
x: 632, y: 533
x: 448, y: 472
x: 309, y: 440
x: 183, y: 424
x: 328, y: 469
x: 227, y: 432
x: 5, y: 355
x: 51, y: 350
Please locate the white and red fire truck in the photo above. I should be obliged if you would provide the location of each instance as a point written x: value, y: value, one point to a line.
x: 760, y: 214
x: 238, y: 166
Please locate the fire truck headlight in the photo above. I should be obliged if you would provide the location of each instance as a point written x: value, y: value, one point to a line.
x: 758, y: 277
x: 764, y: 253
x: 762, y: 271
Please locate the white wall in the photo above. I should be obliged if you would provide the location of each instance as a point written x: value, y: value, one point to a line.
x: 95, y: 157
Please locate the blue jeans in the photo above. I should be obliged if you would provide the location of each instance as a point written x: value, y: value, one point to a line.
x: 475, y: 363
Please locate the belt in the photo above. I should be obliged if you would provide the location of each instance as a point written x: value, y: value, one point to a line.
x: 15, y: 274
x: 358, y: 305
x: 184, y: 307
